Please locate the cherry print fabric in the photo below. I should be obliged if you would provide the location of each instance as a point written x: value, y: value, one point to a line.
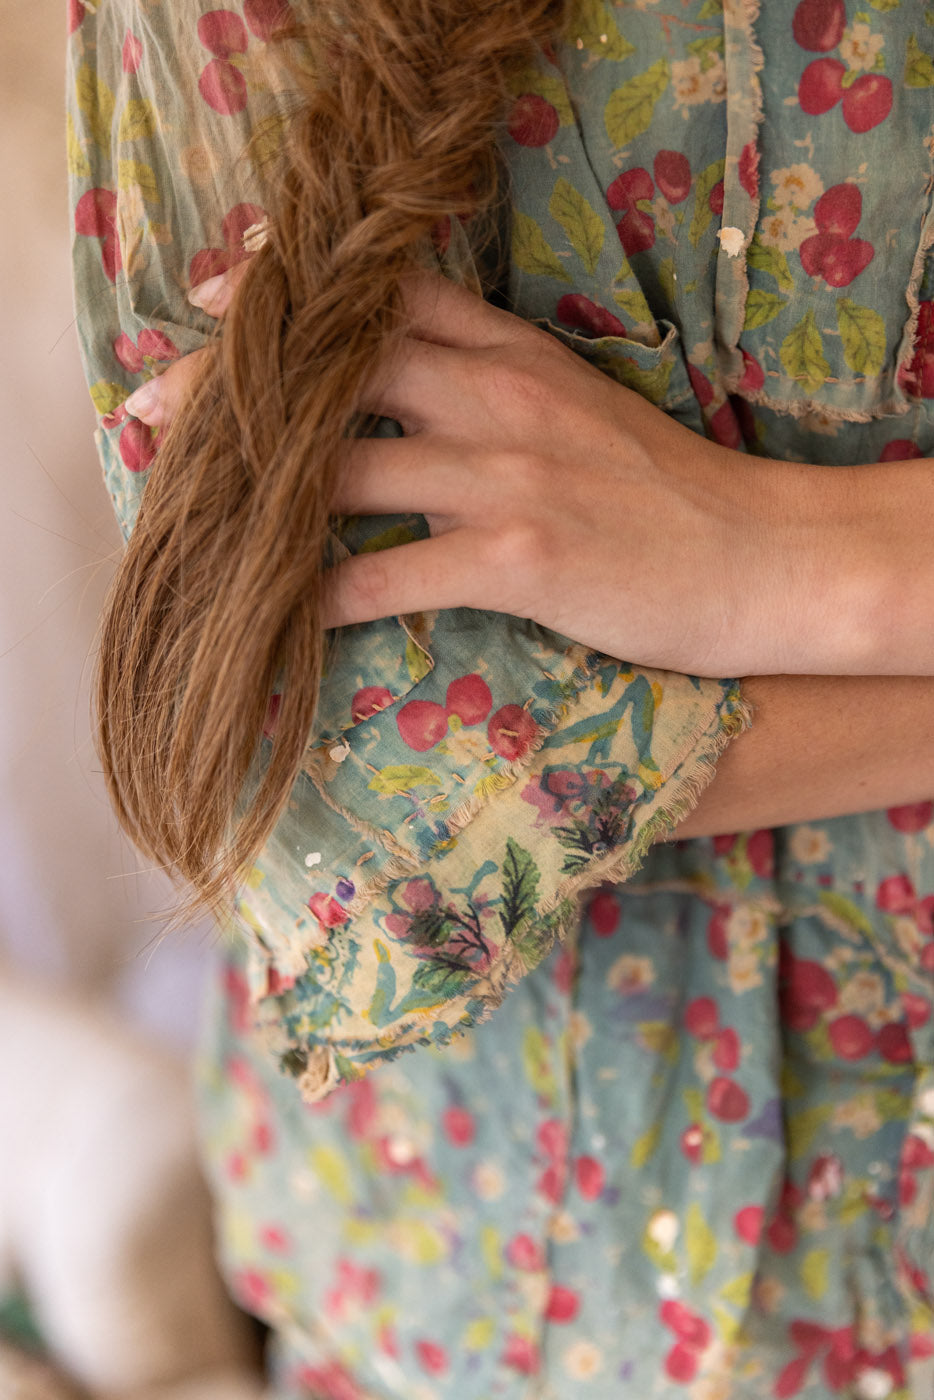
x: 692, y: 1154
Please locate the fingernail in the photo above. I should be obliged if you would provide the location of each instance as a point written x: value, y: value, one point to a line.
x: 205, y: 292
x: 144, y: 399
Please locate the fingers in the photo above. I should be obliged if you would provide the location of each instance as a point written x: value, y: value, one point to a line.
x: 417, y: 577
x: 444, y: 313
x: 389, y: 476
x: 157, y: 401
x: 215, y: 295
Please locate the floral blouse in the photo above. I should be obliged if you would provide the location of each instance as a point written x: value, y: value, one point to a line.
x: 692, y: 1151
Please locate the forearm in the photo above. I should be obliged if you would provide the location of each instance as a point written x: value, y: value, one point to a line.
x: 822, y: 746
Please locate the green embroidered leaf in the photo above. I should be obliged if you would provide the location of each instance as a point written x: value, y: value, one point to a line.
x: 581, y: 222
x: 531, y: 253
x: 644, y: 1147
x: 863, y: 334
x: 595, y: 27
x: 418, y: 663
x: 738, y: 1290
x: 520, y: 885
x: 802, y: 355
x: 652, y: 383
x: 815, y: 1269
x: 78, y: 163
x: 703, y: 213
x: 546, y: 85
x: 135, y: 172
x: 96, y: 101
x: 401, y: 777
x: 762, y: 307
x: 137, y: 119
x: 107, y: 396
x: 846, y: 911
x: 765, y: 258
x: 701, y: 1243
x: 628, y: 111
x: 919, y: 66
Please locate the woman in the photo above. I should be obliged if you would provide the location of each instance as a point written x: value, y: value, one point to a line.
x: 693, y: 1152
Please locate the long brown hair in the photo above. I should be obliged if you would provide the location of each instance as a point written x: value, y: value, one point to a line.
x: 217, y: 600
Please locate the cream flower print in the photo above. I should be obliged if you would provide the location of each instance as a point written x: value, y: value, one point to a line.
x: 859, y: 47
x: 631, y: 974
x: 785, y: 230
x: 768, y: 1293
x: 694, y: 84
x: 796, y: 186
x: 743, y: 971
x: 746, y: 928
x: 859, y: 1114
x: 810, y: 845
x: 582, y: 1360
x: 563, y: 1228
x: 862, y: 993
x: 488, y: 1180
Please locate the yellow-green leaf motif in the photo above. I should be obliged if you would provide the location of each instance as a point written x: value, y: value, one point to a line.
x: 96, y: 101
x: 919, y: 66
x: 701, y: 1244
x: 401, y: 777
x: 137, y: 119
x: 802, y: 355
x: 629, y: 109
x: 584, y: 227
x: 531, y: 253
x: 594, y: 27
x: 815, y: 1267
x: 762, y: 307
x: 136, y: 172
x: 863, y: 333
x: 78, y: 163
x: 107, y: 396
x: 703, y: 213
x: 765, y: 258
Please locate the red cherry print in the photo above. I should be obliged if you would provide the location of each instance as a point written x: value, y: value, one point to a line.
x: 703, y: 389
x: 672, y: 175
x: 368, y: 701
x: 222, y: 33
x: 748, y: 169
x: 563, y: 1304
x: 432, y: 1357
x: 807, y: 990
x: 917, y: 378
x: 839, y: 209
x: 552, y: 1138
x: 689, y: 1327
x: 533, y: 121
x: 208, y: 263
x: 237, y: 220
x: 604, y: 914
x: 525, y: 1253
x: 791, y: 1379
x: 809, y: 1336
x: 511, y: 732
x: 590, y: 1177
x: 902, y: 450
x: 137, y: 448
x: 818, y: 25
x: 917, y: 815
x: 223, y: 87
x: 726, y: 1050
x: 422, y: 724
x: 753, y: 375
x: 724, y: 426
x: 636, y: 232
x: 469, y: 698
x: 917, y: 1010
x: 715, y: 198
x: 717, y: 942
x: 95, y: 213
x: 760, y: 852
x: 782, y: 1234
x: 127, y: 353
x: 157, y: 345
x: 459, y: 1126
x: 681, y: 1363
x: 265, y: 17
x: 76, y: 13
x: 578, y: 311
x: 727, y: 1100
x: 630, y: 186
x: 748, y: 1223
x: 916, y: 1153
x: 868, y: 102
x: 701, y: 1018
x: 692, y: 1143
x: 327, y: 911
x: 837, y: 260
x: 893, y: 1044
x: 896, y: 895
x: 821, y: 86
x: 521, y: 1354
x: 850, y: 1037
x: 131, y: 53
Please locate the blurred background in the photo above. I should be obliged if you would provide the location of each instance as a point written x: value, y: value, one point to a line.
x: 74, y: 908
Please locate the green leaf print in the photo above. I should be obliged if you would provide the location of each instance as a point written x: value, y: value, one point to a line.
x: 78, y: 163
x: 738, y: 1290
x: 520, y: 885
x: 668, y: 279
x: 803, y: 1127
x: 136, y: 120
x: 594, y: 27
x: 701, y: 1243
x: 644, y: 1147
x: 863, y: 334
x: 400, y: 777
x: 634, y: 304
x: 708, y: 49
x: 584, y: 227
x: 710, y: 9
x: 846, y: 911
x: 417, y: 661
x: 536, y: 1061
x: 652, y: 383
x: 548, y: 86
x: 96, y: 101
x: 107, y: 396
x: 762, y: 307
x: 629, y: 109
x: 919, y: 66
x: 765, y: 258
x: 531, y: 253
x: 815, y: 1269
x: 802, y: 355
x: 703, y: 213
x: 388, y: 539
x: 135, y: 173
x: 885, y: 5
